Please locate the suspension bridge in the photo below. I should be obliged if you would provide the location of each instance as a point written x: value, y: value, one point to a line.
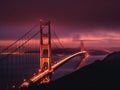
x: 46, y: 66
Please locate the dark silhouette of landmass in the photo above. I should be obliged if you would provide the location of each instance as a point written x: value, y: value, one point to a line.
x: 98, y: 75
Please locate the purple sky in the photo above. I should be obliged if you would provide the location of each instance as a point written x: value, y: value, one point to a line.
x: 86, y: 19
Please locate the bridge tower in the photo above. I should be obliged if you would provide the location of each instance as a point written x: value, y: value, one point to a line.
x: 82, y: 46
x: 45, y: 45
x: 45, y: 49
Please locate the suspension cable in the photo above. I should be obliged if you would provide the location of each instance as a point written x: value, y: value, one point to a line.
x: 20, y: 46
x: 55, y: 44
x: 58, y: 39
x: 18, y: 39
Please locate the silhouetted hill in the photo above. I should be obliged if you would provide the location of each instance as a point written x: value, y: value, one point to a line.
x: 99, y: 75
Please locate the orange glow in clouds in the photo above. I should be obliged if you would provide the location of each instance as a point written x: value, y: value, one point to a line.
x: 70, y: 42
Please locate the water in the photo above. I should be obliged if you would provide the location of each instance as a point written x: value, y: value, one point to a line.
x: 19, y: 67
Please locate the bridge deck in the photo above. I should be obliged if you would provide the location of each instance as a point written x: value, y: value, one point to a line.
x: 40, y: 75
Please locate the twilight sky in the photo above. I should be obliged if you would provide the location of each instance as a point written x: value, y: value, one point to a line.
x: 95, y: 21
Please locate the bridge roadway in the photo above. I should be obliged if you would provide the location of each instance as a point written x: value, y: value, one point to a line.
x: 40, y: 75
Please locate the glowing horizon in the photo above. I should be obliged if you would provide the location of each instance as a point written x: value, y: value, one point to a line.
x: 71, y: 42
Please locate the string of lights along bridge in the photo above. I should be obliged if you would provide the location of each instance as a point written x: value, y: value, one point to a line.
x: 46, y: 66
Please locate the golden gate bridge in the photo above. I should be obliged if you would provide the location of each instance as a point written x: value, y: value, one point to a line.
x: 46, y: 66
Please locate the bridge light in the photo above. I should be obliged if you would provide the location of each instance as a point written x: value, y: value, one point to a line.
x: 34, y: 74
x: 25, y: 84
x: 39, y: 70
x: 13, y: 86
x: 24, y: 80
x: 53, y: 72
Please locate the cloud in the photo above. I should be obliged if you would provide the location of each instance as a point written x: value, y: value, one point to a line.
x: 96, y: 36
x: 71, y: 12
x: 88, y: 20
